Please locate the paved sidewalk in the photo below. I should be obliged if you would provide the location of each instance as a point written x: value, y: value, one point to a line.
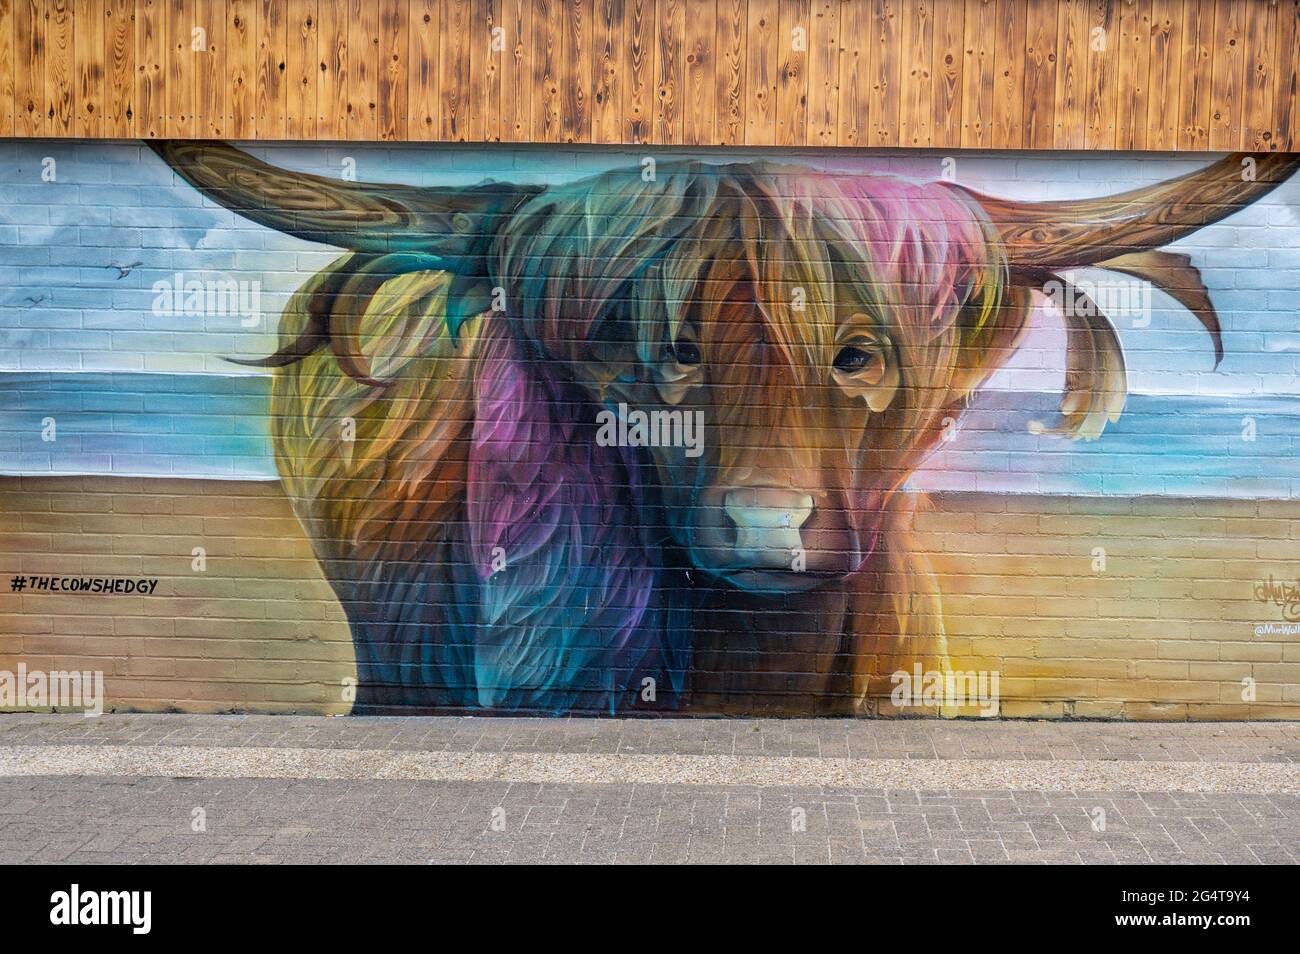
x: 161, y: 788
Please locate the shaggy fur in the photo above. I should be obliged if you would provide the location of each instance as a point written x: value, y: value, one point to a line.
x: 474, y: 436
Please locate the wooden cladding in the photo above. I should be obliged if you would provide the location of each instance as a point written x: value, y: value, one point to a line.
x: 1013, y: 74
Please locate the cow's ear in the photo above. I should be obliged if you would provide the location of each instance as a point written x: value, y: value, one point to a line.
x: 454, y: 224
x: 991, y: 326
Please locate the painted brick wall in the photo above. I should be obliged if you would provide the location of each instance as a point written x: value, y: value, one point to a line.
x: 1151, y: 572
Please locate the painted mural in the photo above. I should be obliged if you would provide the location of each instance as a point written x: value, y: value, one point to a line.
x: 655, y: 439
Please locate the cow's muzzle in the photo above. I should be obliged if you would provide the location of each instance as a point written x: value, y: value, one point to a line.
x: 766, y: 522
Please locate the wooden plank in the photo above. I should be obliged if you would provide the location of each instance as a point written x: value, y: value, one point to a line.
x: 730, y: 28
x: 272, y: 97
x: 119, y: 59
x: 302, y: 69
x: 1041, y: 63
x: 391, y: 115
x: 1260, y: 54
x: 29, y: 67
x: 1073, y: 25
x: 241, y: 66
x: 575, y: 103
x: 823, y: 73
x: 792, y: 72
x: 1164, y: 74
x: 151, y: 74
x: 1009, y: 75
x: 1103, y: 68
x: 670, y: 70
x: 6, y: 67
x: 699, y: 80
x: 210, y: 70
x: 546, y: 54
x: 487, y: 50
x: 606, y: 71
x: 332, y: 87
x: 453, y: 70
x: 1134, y: 69
x: 60, y: 64
x: 639, y: 59
x: 1286, y: 102
x: 363, y: 70
x: 761, y: 65
x: 1194, y: 93
x: 916, y: 49
x: 516, y: 78
x: 980, y: 52
x: 181, y: 91
x: 949, y: 35
x: 422, y: 70
x: 1228, y: 74
x: 886, y: 72
x: 855, y: 73
x: 88, y: 47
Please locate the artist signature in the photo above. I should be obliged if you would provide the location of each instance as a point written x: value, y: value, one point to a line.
x: 1285, y: 595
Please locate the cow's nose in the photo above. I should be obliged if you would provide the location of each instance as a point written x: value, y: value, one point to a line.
x: 767, y: 523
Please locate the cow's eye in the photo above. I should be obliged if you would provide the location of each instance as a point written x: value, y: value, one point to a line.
x: 852, y: 360
x: 685, y: 353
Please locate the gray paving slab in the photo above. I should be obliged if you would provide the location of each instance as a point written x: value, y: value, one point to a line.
x: 134, y: 814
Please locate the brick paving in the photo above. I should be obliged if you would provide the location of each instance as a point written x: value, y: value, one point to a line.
x: 151, y: 818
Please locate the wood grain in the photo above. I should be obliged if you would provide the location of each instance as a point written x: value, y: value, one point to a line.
x: 1009, y: 75
x: 59, y: 64
x: 241, y: 68
x: 977, y: 74
x: 823, y: 73
x: 1041, y: 62
x: 699, y: 83
x: 392, y: 115
x: 855, y: 73
x: 7, y: 67
x: 1134, y: 56
x: 670, y: 71
x: 1187, y: 75
x: 422, y: 70
x: 949, y: 37
x: 884, y: 98
x: 1073, y: 24
x: 760, y: 73
x: 119, y: 58
x: 1194, y: 92
x: 548, y: 52
x: 302, y: 64
x: 1104, y: 44
x: 272, y: 108
x: 210, y: 90
x: 732, y: 27
x: 917, y: 81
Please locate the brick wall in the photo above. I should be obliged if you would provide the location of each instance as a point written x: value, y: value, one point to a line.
x: 1139, y: 575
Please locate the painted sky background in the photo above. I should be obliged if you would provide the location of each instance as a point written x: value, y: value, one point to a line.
x: 65, y: 306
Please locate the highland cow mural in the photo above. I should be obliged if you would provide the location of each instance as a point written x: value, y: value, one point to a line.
x: 651, y: 439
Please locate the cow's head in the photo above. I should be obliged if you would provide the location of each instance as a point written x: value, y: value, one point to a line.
x: 822, y: 328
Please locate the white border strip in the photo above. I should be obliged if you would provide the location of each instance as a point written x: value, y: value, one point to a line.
x: 601, y: 769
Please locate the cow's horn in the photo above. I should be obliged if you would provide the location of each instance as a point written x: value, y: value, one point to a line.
x: 1080, y: 232
x: 455, y: 224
